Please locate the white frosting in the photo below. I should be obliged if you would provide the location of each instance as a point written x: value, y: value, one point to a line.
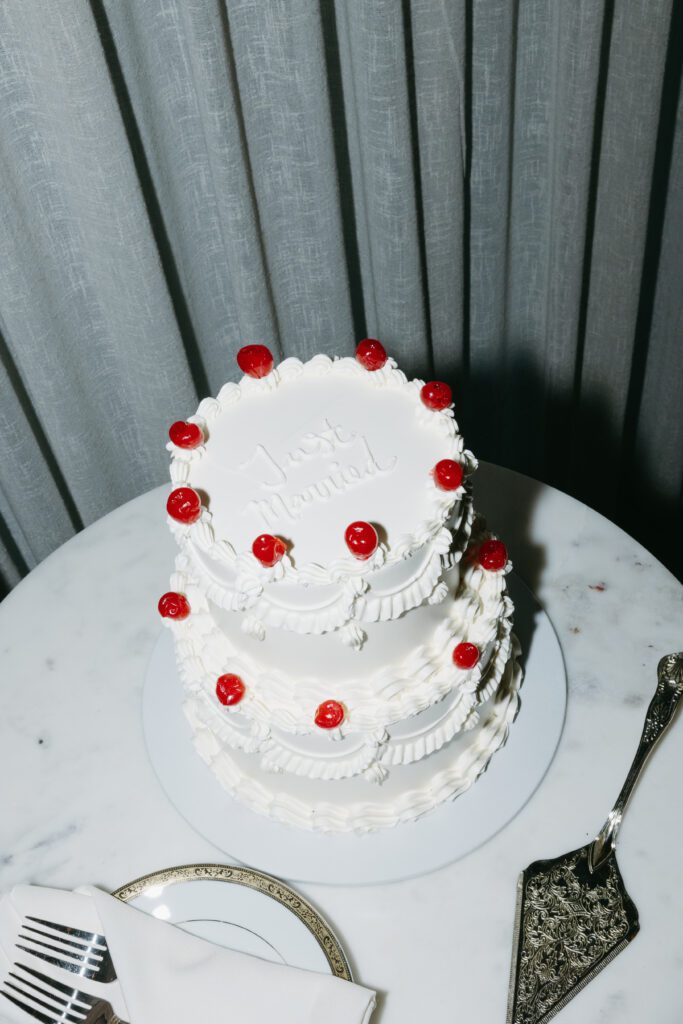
x: 351, y: 805
x: 403, y: 710
x: 387, y: 594
x: 302, y: 453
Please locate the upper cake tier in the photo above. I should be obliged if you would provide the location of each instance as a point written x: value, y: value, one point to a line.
x: 308, y: 494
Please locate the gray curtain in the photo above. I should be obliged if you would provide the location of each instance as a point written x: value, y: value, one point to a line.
x: 492, y: 187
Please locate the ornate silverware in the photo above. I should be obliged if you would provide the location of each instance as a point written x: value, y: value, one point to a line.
x: 52, y: 1002
x: 82, y: 953
x: 573, y: 913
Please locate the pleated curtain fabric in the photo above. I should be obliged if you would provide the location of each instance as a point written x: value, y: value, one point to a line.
x: 493, y: 187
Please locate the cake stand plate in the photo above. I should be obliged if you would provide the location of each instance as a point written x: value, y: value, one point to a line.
x: 388, y: 855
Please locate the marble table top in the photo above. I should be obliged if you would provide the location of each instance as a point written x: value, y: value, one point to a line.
x: 79, y: 801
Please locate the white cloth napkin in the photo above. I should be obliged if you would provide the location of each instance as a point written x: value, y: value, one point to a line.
x: 167, y: 976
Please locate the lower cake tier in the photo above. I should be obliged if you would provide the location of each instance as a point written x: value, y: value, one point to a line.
x: 310, y: 732
x: 354, y: 804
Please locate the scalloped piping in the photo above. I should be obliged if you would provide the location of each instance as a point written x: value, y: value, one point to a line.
x: 388, y: 377
x: 234, y: 730
x: 368, y: 750
x: 373, y: 702
x: 366, y: 816
x: 277, y: 758
x: 353, y: 600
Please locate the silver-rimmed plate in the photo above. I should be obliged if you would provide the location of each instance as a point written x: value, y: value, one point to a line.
x: 241, y: 909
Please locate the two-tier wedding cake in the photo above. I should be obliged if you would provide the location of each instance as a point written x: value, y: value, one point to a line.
x: 340, y: 616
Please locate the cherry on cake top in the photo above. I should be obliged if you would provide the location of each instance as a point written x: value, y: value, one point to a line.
x: 186, y: 435
x: 436, y: 395
x: 184, y: 505
x: 371, y: 354
x: 255, y: 360
x: 304, y: 450
x: 268, y: 550
x: 361, y: 539
x: 448, y: 475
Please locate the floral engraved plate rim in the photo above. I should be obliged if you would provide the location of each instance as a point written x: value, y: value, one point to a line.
x: 569, y: 925
x: 268, y: 885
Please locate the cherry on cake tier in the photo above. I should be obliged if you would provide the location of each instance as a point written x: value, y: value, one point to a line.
x: 492, y: 555
x: 255, y: 360
x: 230, y: 690
x: 330, y: 714
x: 371, y: 354
x: 361, y: 539
x: 448, y: 475
x: 173, y: 606
x: 466, y: 655
x: 436, y: 395
x: 184, y: 505
x: 186, y: 435
x: 268, y: 550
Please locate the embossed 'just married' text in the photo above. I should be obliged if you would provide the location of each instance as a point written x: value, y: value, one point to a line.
x: 274, y: 474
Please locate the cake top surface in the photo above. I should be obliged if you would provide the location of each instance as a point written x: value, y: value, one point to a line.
x: 309, y: 448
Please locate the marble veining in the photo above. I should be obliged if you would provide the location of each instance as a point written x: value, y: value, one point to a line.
x: 84, y: 805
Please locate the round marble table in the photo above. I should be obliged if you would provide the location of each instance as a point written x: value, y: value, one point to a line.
x: 79, y: 801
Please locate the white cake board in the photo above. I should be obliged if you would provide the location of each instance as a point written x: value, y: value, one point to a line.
x: 388, y: 855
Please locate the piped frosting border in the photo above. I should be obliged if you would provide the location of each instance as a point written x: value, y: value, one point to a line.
x: 389, y: 377
x: 271, y: 798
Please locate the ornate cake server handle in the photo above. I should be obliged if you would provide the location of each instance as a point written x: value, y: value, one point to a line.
x: 659, y: 715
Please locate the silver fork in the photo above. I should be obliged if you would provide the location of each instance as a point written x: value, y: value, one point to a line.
x: 82, y: 953
x: 73, y: 1006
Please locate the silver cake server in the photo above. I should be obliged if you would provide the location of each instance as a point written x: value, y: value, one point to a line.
x: 573, y: 913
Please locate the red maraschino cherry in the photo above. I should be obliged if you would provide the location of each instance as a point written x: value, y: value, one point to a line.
x: 173, y: 606
x: 230, y: 690
x: 255, y: 360
x: 186, y: 435
x: 268, y: 549
x: 371, y: 354
x: 184, y: 505
x: 436, y: 395
x: 329, y: 715
x: 448, y: 475
x: 466, y: 655
x: 492, y: 555
x: 361, y: 539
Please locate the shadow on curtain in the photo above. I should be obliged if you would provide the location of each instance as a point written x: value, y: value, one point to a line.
x: 493, y: 189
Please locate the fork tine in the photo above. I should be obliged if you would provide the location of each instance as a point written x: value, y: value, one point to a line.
x: 79, y: 946
x: 75, y: 968
x: 90, y: 937
x: 61, y: 1014
x: 81, y: 955
x: 79, y: 958
x: 70, y: 1003
x: 72, y: 993
x: 43, y: 992
x: 28, y: 1009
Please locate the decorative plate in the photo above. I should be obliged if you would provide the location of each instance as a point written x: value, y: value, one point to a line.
x: 241, y: 909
